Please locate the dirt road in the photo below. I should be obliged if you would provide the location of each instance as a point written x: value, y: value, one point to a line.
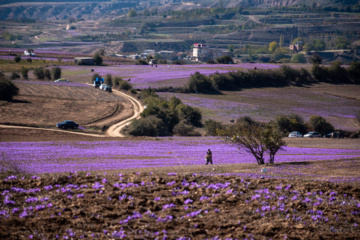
x: 113, y: 131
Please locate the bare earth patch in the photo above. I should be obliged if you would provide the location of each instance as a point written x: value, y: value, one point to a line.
x: 44, y: 105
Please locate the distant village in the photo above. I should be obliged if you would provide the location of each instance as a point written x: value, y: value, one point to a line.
x: 201, y: 53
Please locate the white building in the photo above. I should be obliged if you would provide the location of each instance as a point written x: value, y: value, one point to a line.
x: 201, y: 52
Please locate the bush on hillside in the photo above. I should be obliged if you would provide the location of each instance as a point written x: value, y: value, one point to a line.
x: 184, y: 129
x: 8, y: 90
x: 211, y: 127
x: 108, y: 80
x: 124, y: 85
x: 98, y: 59
x: 14, y: 75
x: 17, y: 58
x: 319, y: 124
x: 188, y: 114
x: 354, y: 71
x: 316, y: 58
x: 56, y: 72
x: 199, y: 83
x: 290, y: 123
x: 298, y: 58
x: 47, y: 74
x: 148, y: 126
x: 225, y: 60
x: 117, y: 81
x: 39, y: 73
x: 24, y: 73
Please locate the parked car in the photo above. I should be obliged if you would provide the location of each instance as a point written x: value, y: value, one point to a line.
x: 313, y: 135
x: 67, y: 124
x: 61, y: 80
x: 295, y: 134
x: 105, y: 87
x: 333, y: 135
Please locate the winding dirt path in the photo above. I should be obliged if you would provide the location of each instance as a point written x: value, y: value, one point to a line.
x: 113, y: 131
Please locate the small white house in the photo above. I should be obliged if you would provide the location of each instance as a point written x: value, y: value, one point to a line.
x: 29, y: 53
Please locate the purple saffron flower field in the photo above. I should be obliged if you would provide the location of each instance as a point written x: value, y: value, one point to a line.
x: 144, y: 205
x: 49, y: 157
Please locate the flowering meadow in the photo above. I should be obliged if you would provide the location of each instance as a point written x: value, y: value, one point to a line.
x: 144, y: 205
x: 50, y: 157
x: 266, y: 104
x: 144, y: 76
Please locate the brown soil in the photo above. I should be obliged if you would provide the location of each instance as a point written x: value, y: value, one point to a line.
x: 101, y: 211
x: 42, y: 105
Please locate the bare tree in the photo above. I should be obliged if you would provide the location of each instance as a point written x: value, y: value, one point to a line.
x: 255, y: 138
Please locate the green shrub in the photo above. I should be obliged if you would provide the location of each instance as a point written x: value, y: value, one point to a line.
x: 29, y: 60
x: 14, y: 75
x: 184, y: 129
x: 47, y: 73
x: 189, y: 114
x: 316, y: 58
x: 148, y: 126
x: 124, y: 85
x: 337, y: 72
x: 8, y: 90
x: 117, y: 81
x: 354, y: 71
x: 39, y: 73
x: 319, y: 124
x: 133, y: 91
x: 320, y: 73
x: 290, y: 123
x: 98, y: 59
x: 225, y: 60
x: 24, y: 72
x: 108, y: 80
x: 211, y: 127
x: 298, y: 58
x: 56, y: 72
x: 199, y: 83
x: 17, y: 58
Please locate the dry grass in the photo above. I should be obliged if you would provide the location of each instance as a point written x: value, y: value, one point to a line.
x: 45, y: 105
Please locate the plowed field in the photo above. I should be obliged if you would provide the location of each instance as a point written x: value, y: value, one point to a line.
x: 44, y: 104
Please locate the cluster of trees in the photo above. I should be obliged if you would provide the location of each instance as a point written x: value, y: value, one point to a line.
x: 8, y: 90
x: 284, y: 76
x: 284, y: 124
x: 256, y: 138
x: 42, y: 73
x: 260, y: 138
x: 163, y: 117
x: 105, y: 37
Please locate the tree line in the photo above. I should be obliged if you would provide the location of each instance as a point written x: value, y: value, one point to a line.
x: 284, y: 76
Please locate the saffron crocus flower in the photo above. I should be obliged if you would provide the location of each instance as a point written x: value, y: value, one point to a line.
x: 187, y: 201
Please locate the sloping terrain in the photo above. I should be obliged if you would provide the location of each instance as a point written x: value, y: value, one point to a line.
x: 44, y: 104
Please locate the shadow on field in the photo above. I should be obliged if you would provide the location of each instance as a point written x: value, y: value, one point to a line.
x: 20, y: 101
x: 293, y: 163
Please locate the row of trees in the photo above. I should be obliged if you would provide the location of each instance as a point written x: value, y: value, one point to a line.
x: 163, y: 117
x: 284, y: 76
x: 260, y: 138
x: 8, y: 90
x: 283, y: 123
x: 42, y: 73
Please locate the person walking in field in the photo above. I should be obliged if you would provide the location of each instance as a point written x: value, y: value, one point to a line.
x: 208, y: 157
